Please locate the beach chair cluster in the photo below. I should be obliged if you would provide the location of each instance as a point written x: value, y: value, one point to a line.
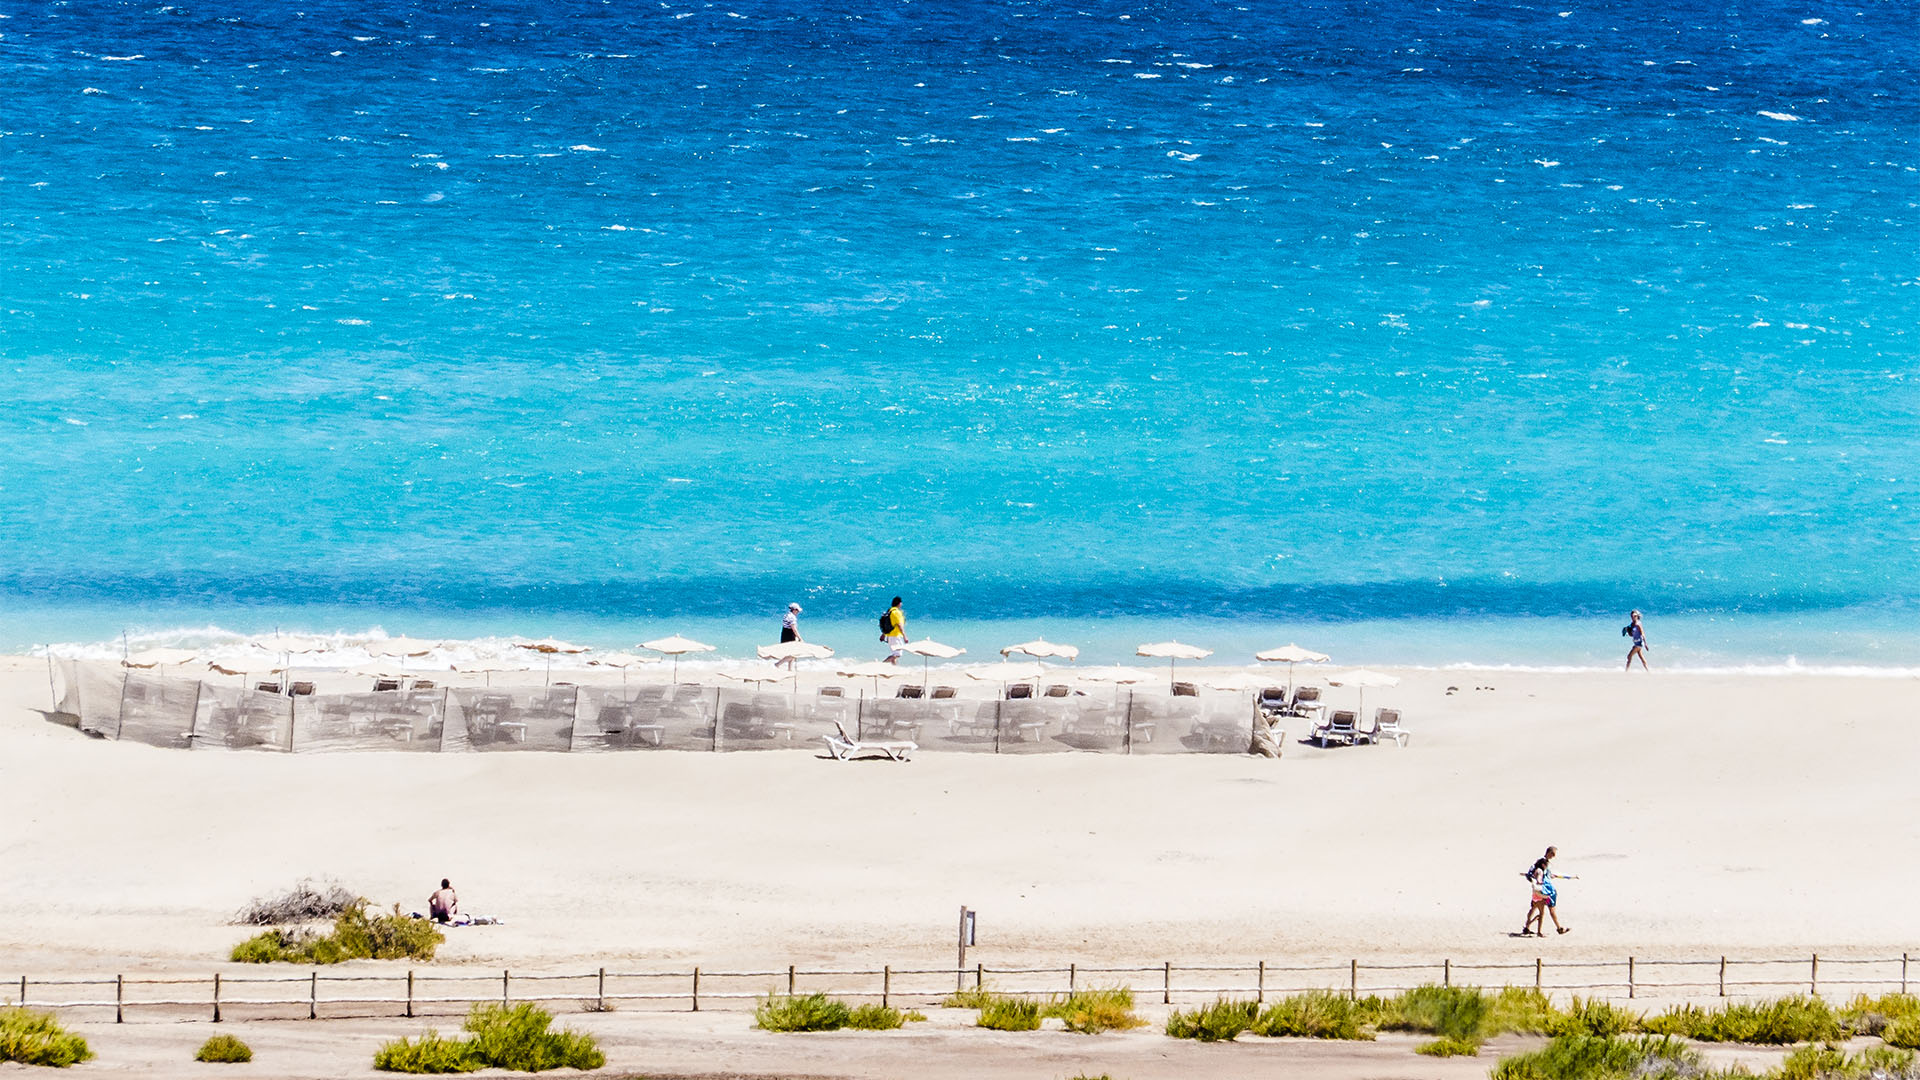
x: 1329, y: 726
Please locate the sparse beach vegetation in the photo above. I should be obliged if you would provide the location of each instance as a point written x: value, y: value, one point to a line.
x: 1221, y: 1021
x: 1601, y: 1057
x: 224, y: 1049
x: 515, y: 1037
x: 1780, y: 1022
x: 355, y: 935
x: 306, y: 901
x: 1010, y: 1014
x: 36, y: 1038
x: 801, y: 1012
x: 1317, y: 1014
x: 1091, y: 1012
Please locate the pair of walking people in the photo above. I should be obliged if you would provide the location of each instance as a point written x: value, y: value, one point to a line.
x: 1546, y: 897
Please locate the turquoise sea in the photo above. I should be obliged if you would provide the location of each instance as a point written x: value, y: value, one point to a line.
x: 1418, y: 333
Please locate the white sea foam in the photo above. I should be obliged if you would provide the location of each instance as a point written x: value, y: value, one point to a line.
x: 585, y: 149
x: 1778, y: 115
x: 1178, y: 156
x: 353, y: 322
x: 135, y: 56
x: 92, y: 90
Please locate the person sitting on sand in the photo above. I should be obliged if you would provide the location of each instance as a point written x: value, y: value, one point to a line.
x: 1546, y: 898
x: 1635, y: 631
x: 444, y: 905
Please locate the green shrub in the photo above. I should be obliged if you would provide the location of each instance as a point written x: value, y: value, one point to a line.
x: 875, y: 1018
x: 428, y: 1054
x: 1599, y: 1057
x: 516, y: 1037
x: 355, y: 936
x: 1317, y: 1014
x: 1218, y: 1022
x: 1091, y: 1012
x: 1777, y: 1023
x: 1903, y: 1032
x: 1458, y: 1012
x: 499, y: 1037
x: 1449, y: 1046
x: 1010, y: 1014
x: 224, y: 1049
x: 802, y: 1012
x: 36, y: 1038
x: 1869, y: 1016
x: 975, y: 997
x: 1831, y: 1063
x: 1524, y: 1010
x: 1594, y: 1017
x: 914, y: 1016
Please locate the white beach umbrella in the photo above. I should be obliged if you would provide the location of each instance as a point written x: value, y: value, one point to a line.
x: 1042, y: 648
x: 160, y: 658
x: 282, y: 642
x: 1236, y: 681
x: 1173, y: 651
x: 1115, y: 674
x: 1360, y: 679
x: 1006, y: 674
x: 794, y: 650
x: 1291, y: 654
x: 928, y: 650
x: 488, y: 667
x: 750, y: 675
x: 676, y: 647
x: 623, y: 661
x: 872, y: 669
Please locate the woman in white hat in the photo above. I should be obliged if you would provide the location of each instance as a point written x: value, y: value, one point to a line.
x: 789, y: 631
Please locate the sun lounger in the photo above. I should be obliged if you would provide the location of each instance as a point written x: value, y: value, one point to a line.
x: 1058, y: 690
x: 1019, y: 692
x: 1185, y: 689
x: 380, y: 685
x: 1342, y: 724
x: 844, y: 747
x: 1273, y: 700
x: 911, y: 692
x: 1386, y: 725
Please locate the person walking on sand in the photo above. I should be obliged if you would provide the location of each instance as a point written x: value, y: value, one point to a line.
x: 893, y: 630
x: 789, y: 631
x: 1638, y: 634
x: 1546, y: 898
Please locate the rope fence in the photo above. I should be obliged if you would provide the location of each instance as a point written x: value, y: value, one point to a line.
x: 414, y: 991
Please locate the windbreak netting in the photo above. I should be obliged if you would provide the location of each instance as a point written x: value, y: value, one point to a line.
x: 242, y: 718
x: 754, y: 720
x: 676, y: 717
x: 1215, y: 724
x: 500, y: 719
x: 99, y: 688
x: 158, y: 710
x: 66, y: 688
x: 376, y: 720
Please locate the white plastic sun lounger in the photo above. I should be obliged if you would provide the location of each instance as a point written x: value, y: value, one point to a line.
x: 844, y: 747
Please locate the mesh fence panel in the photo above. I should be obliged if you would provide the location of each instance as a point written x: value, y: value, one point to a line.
x: 1214, y: 724
x: 778, y: 721
x: 242, y: 718
x: 158, y: 710
x: 522, y: 719
x: 66, y: 687
x: 409, y: 720
x: 1094, y: 722
x: 945, y: 724
x: 99, y: 690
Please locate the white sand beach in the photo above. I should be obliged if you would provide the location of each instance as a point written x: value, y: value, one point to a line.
x: 1702, y: 815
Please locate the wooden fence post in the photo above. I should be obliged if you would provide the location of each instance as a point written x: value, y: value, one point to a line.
x: 1073, y: 979
x: 23, y: 991
x: 789, y: 980
x: 1166, y: 984
x: 600, y: 992
x: 1903, y: 973
x: 1629, y: 978
x: 1723, y: 976
x: 506, y: 985
x: 1353, y: 980
x: 1260, y: 984
x: 1536, y: 973
x: 313, y: 995
x: 216, y: 997
x: 886, y: 984
x: 1446, y: 972
x: 1813, y: 976
x: 979, y: 975
x: 119, y: 999
x: 696, y: 989
x: 409, y: 993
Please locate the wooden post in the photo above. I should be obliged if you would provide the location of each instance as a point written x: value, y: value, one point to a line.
x: 1629, y: 977
x: 1073, y: 978
x: 600, y: 992
x: 1166, y: 984
x: 1723, y: 976
x: 313, y: 996
x: 409, y: 993
x: 886, y: 984
x: 1813, y: 976
x: 960, y: 968
x: 1903, y: 973
x: 1536, y: 973
x: 1446, y: 973
x: 506, y: 987
x: 119, y: 999
x: 1353, y: 980
x: 23, y: 991
x: 696, y: 989
x: 789, y: 980
x: 1260, y: 983
x: 979, y: 976
x: 216, y: 997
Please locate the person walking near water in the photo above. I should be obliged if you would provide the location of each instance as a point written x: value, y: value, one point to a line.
x: 789, y: 631
x: 893, y: 630
x: 1634, y: 631
x: 1546, y: 898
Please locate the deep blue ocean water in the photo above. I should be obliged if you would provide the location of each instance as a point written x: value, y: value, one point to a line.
x: 1441, y: 331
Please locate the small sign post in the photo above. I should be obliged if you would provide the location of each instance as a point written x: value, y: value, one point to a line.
x: 967, y: 939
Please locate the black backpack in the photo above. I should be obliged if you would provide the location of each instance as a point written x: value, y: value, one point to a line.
x: 886, y: 623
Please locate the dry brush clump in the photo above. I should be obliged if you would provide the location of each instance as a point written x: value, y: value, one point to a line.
x: 307, y: 901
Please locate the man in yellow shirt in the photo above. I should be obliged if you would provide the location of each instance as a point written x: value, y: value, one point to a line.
x: 896, y: 634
